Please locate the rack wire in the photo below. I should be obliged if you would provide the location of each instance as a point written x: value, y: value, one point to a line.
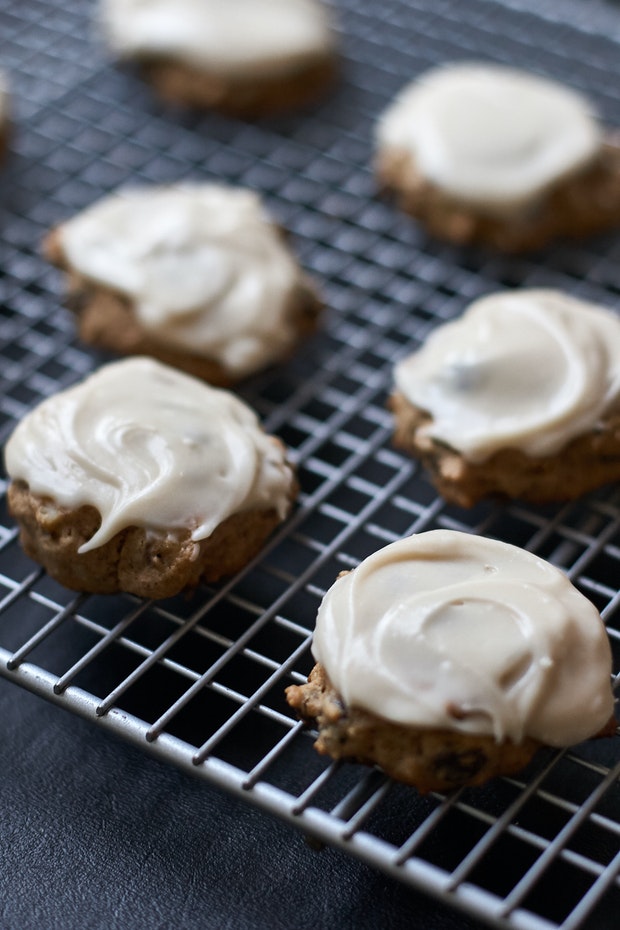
x: 199, y: 681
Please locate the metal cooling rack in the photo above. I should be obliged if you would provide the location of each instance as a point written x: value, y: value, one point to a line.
x: 199, y: 682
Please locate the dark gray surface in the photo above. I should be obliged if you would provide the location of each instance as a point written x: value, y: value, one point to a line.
x: 97, y: 835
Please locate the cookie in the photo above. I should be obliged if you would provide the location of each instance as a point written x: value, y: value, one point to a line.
x: 447, y: 659
x: 519, y: 398
x: 144, y: 480
x: 195, y: 275
x: 486, y: 154
x: 250, y: 58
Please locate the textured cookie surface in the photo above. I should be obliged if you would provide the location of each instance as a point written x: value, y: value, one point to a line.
x: 146, y: 563
x: 430, y: 759
x: 583, y: 465
x: 145, y: 480
x: 247, y: 98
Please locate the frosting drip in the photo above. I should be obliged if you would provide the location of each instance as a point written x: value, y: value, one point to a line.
x: 491, y: 136
x: 236, y: 37
x: 205, y: 267
x: 452, y: 631
x: 528, y: 369
x: 149, y: 446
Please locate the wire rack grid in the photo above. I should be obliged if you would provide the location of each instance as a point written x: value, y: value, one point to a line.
x: 199, y: 681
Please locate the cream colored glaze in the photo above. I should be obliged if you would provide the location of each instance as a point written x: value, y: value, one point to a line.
x: 529, y: 369
x: 206, y: 269
x: 491, y: 136
x: 238, y: 37
x: 151, y: 447
x: 443, y: 629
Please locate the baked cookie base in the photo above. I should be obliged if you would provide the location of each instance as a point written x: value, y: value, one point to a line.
x: 107, y: 320
x: 147, y: 563
x: 428, y: 759
x: 581, y: 205
x: 250, y: 98
x: 585, y: 463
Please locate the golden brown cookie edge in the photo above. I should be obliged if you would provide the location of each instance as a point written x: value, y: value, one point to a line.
x: 107, y: 320
x: 583, y: 204
x: 144, y: 562
x: 587, y: 462
x: 429, y: 759
x: 250, y: 98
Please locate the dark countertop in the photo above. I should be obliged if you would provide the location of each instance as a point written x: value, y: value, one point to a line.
x: 96, y: 834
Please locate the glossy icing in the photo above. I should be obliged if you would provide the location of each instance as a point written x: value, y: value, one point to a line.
x: 236, y: 37
x: 447, y: 630
x: 528, y: 369
x: 149, y: 446
x: 206, y: 269
x: 491, y: 136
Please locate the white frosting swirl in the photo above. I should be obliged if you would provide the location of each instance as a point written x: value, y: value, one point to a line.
x: 206, y: 269
x: 529, y: 369
x: 447, y: 630
x: 237, y: 37
x: 491, y: 136
x: 151, y: 447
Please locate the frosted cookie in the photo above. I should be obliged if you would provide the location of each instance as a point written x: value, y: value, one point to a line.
x: 196, y: 275
x: 518, y: 398
x: 247, y: 57
x: 447, y: 659
x: 145, y: 480
x: 483, y: 153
